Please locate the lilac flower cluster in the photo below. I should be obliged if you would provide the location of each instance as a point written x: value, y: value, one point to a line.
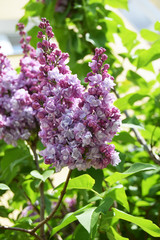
x: 17, y: 117
x: 76, y: 123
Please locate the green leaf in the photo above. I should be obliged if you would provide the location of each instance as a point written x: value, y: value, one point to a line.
x: 43, y: 176
x: 148, y: 183
x: 104, y: 206
x: 136, y: 79
x: 135, y: 168
x: 81, y: 182
x: 129, y: 38
x: 98, y: 176
x: 92, y: 38
x: 149, y: 35
x: 116, y: 235
x: 132, y: 120
x: 131, y: 125
x: 47, y: 174
x: 36, y: 174
x: 118, y: 3
x: 34, y: 8
x: 147, y: 225
x: 122, y: 103
x: 127, y: 101
x: 124, y: 138
x: 147, y: 56
x: 135, y: 97
x: 15, y: 161
x: 33, y: 33
x: 85, y: 218
x: 118, y: 194
x: 80, y: 233
x: 69, y: 218
x: 4, y: 186
x: 157, y: 26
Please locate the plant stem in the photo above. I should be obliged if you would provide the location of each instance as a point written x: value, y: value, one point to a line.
x: 41, y: 188
x: 141, y: 140
x: 22, y: 230
x: 34, y: 207
x: 57, y: 206
x: 42, y: 208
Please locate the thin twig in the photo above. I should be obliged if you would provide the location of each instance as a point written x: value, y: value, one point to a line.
x: 57, y: 206
x: 51, y: 182
x: 22, y: 230
x: 34, y: 207
x: 28, y: 198
x: 141, y: 140
x: 153, y: 135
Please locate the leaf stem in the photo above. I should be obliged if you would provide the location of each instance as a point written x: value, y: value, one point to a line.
x: 97, y: 193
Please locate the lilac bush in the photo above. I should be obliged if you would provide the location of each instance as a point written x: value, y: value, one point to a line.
x: 76, y: 124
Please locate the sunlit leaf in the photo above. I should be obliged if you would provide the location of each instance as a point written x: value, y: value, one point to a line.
x: 47, y: 174
x: 149, y: 55
x: 84, y: 181
x: 4, y: 186
x: 157, y: 26
x: 85, y: 218
x: 118, y: 194
x: 69, y: 218
x: 149, y: 35
x: 148, y: 183
x: 127, y: 101
x: 147, y: 225
x: 116, y: 235
x: 131, y: 125
x: 135, y: 168
x: 36, y: 174
x: 118, y: 3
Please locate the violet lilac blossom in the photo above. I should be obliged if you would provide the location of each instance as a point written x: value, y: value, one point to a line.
x: 76, y: 124
x: 17, y: 117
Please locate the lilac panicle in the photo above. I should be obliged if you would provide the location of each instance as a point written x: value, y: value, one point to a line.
x: 17, y: 117
x: 76, y: 124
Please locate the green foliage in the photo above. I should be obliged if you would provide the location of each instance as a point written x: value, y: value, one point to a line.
x: 136, y: 167
x: 146, y: 225
x: 102, y: 196
x: 44, y: 176
x: 82, y: 182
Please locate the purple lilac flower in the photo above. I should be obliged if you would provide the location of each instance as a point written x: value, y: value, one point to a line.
x: 17, y: 117
x: 61, y: 6
x: 71, y: 203
x: 77, y: 124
